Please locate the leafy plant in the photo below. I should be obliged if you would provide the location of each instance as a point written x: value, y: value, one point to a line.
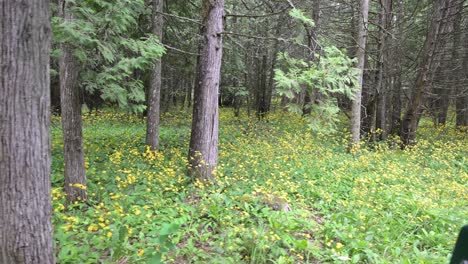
x: 384, y: 205
x: 113, y: 55
x: 332, y: 74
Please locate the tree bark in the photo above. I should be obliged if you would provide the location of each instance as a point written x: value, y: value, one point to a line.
x: 261, y: 95
x: 448, y: 70
x: 461, y: 103
x: 25, y: 205
x: 203, y: 151
x: 154, y: 98
x: 311, y: 95
x: 381, y: 109
x: 414, y: 110
x: 360, y: 54
x: 398, y: 74
x: 73, y: 152
x: 54, y: 89
x: 461, y: 100
x: 190, y: 87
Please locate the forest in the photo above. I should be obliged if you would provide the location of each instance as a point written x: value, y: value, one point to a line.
x: 233, y: 131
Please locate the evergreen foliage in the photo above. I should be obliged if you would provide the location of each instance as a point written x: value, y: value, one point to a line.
x: 114, y: 55
x: 333, y: 74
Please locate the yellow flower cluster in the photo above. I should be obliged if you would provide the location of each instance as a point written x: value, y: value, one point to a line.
x: 341, y: 201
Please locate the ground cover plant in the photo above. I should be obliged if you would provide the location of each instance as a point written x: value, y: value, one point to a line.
x: 380, y: 204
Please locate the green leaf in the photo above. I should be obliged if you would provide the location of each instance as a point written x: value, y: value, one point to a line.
x: 156, y: 259
x: 299, y: 15
x: 106, y: 52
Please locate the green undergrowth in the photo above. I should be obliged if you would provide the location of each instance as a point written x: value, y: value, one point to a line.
x: 378, y: 205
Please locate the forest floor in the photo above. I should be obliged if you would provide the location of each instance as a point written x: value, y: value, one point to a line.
x: 379, y: 205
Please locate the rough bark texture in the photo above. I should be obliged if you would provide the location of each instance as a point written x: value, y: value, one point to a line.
x: 382, y: 65
x: 397, y: 80
x: 25, y: 206
x: 461, y: 102
x: 360, y: 54
x: 446, y: 78
x: 414, y: 110
x: 203, y: 151
x: 154, y: 98
x: 73, y: 152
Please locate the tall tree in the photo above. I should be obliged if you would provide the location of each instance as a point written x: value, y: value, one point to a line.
x: 383, y: 67
x: 314, y: 49
x: 446, y: 78
x: 73, y: 152
x: 460, y: 47
x: 154, y: 94
x: 360, y: 54
x: 203, y: 151
x: 397, y: 69
x: 415, y: 104
x: 25, y: 206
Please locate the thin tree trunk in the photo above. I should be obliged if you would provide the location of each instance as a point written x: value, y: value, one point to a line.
x: 414, y: 110
x: 461, y: 103
x: 203, y: 151
x: 461, y: 100
x: 312, y: 95
x: 448, y: 70
x: 73, y: 152
x: 261, y: 94
x: 397, y: 81
x: 441, y: 94
x: 154, y: 99
x: 271, y: 78
x: 165, y: 87
x: 193, y: 83
x: 54, y: 90
x: 183, y: 93
x: 373, y: 118
x: 381, y: 109
x: 360, y: 54
x: 367, y: 99
x: 174, y: 92
x: 25, y: 204
x: 189, y: 92
x: 396, y: 104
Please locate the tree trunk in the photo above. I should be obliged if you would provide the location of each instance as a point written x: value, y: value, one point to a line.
x: 183, y: 97
x: 396, y: 102
x: 152, y: 124
x: 54, y: 89
x: 367, y: 98
x: 449, y: 71
x: 73, y: 152
x: 25, y: 206
x: 461, y: 103
x: 261, y: 89
x: 312, y: 95
x: 203, y: 151
x: 193, y: 82
x: 461, y: 100
x: 397, y: 80
x: 174, y: 87
x: 360, y: 54
x: 415, y: 109
x: 381, y: 109
x: 441, y: 93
